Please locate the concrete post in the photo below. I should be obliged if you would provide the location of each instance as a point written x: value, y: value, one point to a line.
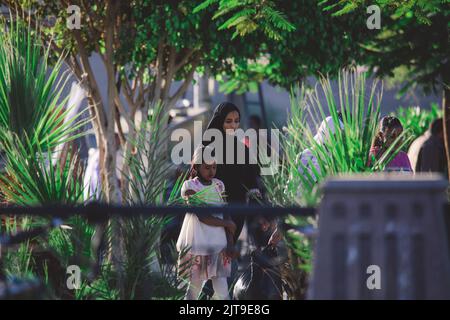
x: 394, y: 223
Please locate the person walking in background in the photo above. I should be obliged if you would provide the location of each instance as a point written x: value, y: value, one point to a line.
x: 427, y: 152
x: 414, y: 148
x: 306, y: 159
x: 390, y: 129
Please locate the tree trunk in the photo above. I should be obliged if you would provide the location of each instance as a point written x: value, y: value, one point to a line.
x: 129, y: 145
x: 109, y: 167
x: 201, y: 95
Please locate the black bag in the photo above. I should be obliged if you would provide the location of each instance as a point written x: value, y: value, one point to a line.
x: 262, y: 279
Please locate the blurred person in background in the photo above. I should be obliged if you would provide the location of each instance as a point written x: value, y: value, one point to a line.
x: 427, y: 152
x: 390, y: 129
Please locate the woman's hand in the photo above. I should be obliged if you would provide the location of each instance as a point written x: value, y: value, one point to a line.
x: 254, y: 194
x: 275, y: 238
x: 231, y: 252
x: 230, y: 226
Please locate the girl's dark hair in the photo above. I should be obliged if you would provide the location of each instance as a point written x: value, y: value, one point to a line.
x: 389, y: 123
x: 378, y: 140
x: 193, y: 171
x: 386, y: 124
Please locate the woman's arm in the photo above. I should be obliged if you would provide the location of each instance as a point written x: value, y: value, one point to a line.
x: 230, y: 251
x: 230, y: 233
x: 251, y: 170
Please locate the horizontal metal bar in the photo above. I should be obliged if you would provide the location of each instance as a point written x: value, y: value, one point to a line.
x: 100, y: 211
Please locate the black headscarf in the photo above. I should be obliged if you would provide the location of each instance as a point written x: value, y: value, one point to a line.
x: 220, y: 113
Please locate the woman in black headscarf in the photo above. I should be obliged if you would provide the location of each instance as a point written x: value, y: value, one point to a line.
x: 241, y: 180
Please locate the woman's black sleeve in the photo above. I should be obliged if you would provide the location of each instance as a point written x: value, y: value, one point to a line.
x: 251, y: 172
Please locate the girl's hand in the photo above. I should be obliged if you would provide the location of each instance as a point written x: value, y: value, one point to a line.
x: 188, y: 194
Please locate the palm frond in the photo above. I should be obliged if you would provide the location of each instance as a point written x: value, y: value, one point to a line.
x: 31, y: 101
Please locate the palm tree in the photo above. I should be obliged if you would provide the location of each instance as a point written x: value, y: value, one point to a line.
x: 34, y: 122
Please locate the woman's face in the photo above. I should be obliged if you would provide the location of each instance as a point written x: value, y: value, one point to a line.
x: 231, y: 122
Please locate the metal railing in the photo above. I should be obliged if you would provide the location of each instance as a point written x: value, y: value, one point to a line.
x: 98, y: 214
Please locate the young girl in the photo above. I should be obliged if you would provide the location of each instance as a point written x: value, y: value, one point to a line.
x: 390, y: 129
x: 208, y: 239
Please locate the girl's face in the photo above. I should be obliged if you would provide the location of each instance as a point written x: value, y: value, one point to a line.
x: 231, y: 122
x: 207, y: 171
x: 391, y: 135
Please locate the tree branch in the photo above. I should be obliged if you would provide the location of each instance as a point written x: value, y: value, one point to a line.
x: 159, y: 70
x: 121, y: 107
x: 184, y: 59
x: 187, y: 81
x: 94, y: 91
x: 169, y: 72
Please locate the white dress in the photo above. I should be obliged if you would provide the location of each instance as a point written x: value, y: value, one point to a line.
x: 205, y: 244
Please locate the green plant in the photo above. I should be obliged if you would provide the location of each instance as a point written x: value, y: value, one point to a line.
x: 147, y: 178
x: 30, y: 178
x: 31, y: 102
x: 417, y: 120
x: 248, y: 16
x: 19, y: 261
x: 295, y: 272
x: 146, y: 173
x: 101, y: 288
x: 34, y: 123
x: 339, y: 151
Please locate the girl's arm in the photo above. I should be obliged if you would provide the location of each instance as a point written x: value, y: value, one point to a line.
x: 211, y: 220
x: 208, y: 219
x: 217, y: 222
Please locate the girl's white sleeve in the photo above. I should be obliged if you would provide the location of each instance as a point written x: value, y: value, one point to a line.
x: 185, y: 187
x: 220, y: 187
